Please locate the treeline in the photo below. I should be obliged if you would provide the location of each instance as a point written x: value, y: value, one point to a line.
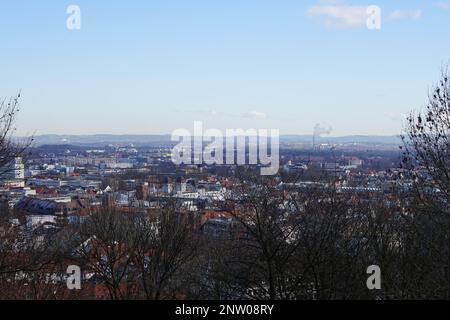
x: 281, y: 244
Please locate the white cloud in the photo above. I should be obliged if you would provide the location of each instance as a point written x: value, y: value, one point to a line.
x: 255, y: 115
x: 406, y: 15
x: 338, y: 15
x: 442, y: 5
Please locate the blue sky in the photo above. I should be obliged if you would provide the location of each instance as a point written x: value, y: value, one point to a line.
x: 142, y: 67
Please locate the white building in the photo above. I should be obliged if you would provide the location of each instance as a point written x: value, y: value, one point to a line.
x: 13, y: 174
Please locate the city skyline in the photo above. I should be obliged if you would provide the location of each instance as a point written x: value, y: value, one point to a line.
x: 150, y: 68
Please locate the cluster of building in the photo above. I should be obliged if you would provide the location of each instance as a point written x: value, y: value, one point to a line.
x: 50, y: 190
x: 61, y: 185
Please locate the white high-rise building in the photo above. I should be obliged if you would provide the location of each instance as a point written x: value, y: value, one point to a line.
x: 17, y: 169
x: 13, y: 174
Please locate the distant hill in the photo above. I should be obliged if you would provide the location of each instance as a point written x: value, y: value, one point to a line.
x: 105, y: 139
x: 344, y: 139
x: 99, y: 139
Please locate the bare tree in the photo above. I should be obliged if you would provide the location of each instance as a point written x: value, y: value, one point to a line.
x: 9, y: 147
x: 106, y: 246
x: 24, y: 255
x: 166, y: 247
x: 427, y: 163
